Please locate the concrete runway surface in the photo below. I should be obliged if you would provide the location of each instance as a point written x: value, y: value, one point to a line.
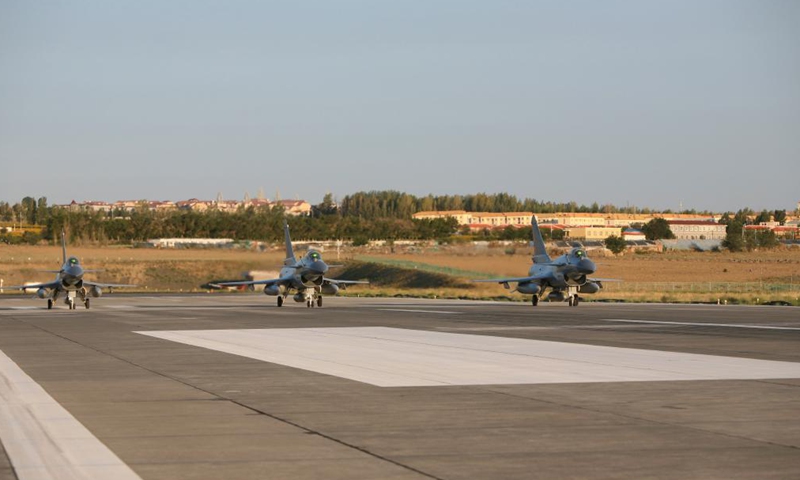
x: 230, y: 386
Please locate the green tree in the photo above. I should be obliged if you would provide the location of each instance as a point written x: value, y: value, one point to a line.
x: 656, y: 229
x: 327, y: 207
x: 615, y: 244
x: 763, y: 217
x: 29, y: 210
x: 42, y: 212
x: 733, y: 236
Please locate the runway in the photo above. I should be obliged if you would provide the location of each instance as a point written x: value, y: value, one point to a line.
x: 230, y: 386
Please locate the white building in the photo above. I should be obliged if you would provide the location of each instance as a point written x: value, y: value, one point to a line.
x: 697, y: 230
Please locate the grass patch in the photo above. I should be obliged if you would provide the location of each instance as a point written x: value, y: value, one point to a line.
x: 383, y: 275
x: 426, y: 267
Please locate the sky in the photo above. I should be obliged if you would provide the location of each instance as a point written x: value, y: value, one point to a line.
x: 660, y: 104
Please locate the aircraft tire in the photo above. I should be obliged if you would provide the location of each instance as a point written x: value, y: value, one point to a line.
x: 319, y: 301
x: 535, y: 300
x: 49, y: 303
x: 280, y: 301
x: 71, y: 304
x: 86, y: 303
x: 571, y: 301
x: 575, y: 301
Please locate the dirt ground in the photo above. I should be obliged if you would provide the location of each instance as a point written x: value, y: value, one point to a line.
x: 187, y: 269
x: 777, y: 266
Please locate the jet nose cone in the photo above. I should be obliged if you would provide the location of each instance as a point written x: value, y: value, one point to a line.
x: 318, y: 267
x: 586, y: 266
x: 74, y: 271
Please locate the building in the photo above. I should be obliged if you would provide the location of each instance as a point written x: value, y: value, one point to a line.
x: 479, y: 220
x: 294, y: 207
x: 790, y: 230
x: 566, y: 219
x: 697, y: 230
x: 633, y: 235
x: 461, y: 216
x: 591, y: 233
x: 189, y: 242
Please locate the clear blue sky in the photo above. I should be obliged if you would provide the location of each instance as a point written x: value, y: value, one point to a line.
x: 648, y: 103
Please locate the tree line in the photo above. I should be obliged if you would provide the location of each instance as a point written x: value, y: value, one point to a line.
x: 394, y: 204
x: 362, y: 216
x: 250, y: 223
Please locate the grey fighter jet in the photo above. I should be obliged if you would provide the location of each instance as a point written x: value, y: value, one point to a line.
x: 566, y: 276
x: 69, y: 281
x: 305, y: 276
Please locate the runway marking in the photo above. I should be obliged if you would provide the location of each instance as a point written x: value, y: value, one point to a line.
x: 500, y: 328
x: 42, y: 440
x: 392, y: 357
x: 698, y: 324
x: 417, y: 311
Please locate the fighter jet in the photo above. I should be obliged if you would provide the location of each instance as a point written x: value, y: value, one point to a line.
x: 566, y: 276
x: 69, y: 280
x: 305, y: 276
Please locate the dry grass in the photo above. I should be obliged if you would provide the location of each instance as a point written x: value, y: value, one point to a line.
x: 775, y: 266
x: 186, y: 270
x: 153, y: 269
x: 674, y: 276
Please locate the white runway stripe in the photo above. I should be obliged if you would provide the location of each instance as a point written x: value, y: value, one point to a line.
x: 416, y: 311
x: 699, y: 324
x: 392, y: 357
x: 42, y: 440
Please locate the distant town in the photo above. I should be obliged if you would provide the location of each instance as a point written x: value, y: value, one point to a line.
x: 292, y: 207
x: 388, y: 215
x: 598, y: 226
x: 584, y: 226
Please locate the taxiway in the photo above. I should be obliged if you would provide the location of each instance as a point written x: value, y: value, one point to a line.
x: 230, y: 386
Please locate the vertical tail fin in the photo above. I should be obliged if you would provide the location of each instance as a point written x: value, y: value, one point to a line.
x: 63, y: 246
x: 289, y: 252
x: 539, y: 252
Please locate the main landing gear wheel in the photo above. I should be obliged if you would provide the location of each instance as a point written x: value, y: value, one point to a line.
x: 86, y: 303
x: 49, y: 303
x: 535, y: 300
x: 319, y: 301
x: 280, y: 301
